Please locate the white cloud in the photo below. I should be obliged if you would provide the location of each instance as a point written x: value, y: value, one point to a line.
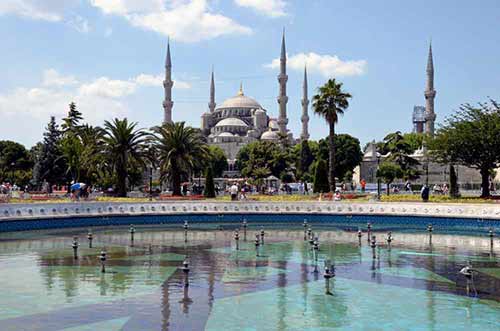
x: 80, y: 24
x: 150, y: 80
x: 272, y: 8
x: 326, y: 65
x: 53, y: 78
x: 99, y: 99
x: 183, y: 20
x: 108, y: 88
x: 123, y: 7
x: 47, y: 10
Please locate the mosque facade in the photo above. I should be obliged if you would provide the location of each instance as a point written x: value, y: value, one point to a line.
x: 241, y: 119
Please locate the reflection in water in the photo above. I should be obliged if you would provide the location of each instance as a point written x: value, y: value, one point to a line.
x: 229, y: 287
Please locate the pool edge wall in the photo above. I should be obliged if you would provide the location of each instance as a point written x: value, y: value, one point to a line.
x: 21, y: 217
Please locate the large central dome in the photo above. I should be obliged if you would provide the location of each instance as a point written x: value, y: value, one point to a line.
x: 240, y: 101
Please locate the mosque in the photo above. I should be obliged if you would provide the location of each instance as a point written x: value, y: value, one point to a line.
x: 241, y: 120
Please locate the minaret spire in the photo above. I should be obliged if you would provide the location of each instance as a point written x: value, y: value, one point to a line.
x: 430, y: 94
x: 305, y: 106
x: 212, y: 104
x: 167, y: 85
x: 282, y: 98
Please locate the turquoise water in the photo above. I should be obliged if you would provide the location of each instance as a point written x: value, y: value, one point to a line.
x: 409, y: 286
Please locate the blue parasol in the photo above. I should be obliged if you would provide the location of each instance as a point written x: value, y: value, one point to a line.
x: 77, y: 186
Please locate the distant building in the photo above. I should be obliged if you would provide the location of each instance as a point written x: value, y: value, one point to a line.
x: 423, y: 119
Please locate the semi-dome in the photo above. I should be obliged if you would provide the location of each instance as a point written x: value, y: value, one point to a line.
x: 231, y: 121
x: 240, y: 101
x: 270, y: 135
x: 273, y: 124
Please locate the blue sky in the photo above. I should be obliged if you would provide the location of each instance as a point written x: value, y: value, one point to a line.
x: 108, y: 56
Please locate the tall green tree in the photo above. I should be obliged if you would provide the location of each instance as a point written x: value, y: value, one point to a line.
x: 72, y: 121
x: 321, y: 177
x: 471, y: 137
x: 348, y: 153
x: 209, y: 191
x: 217, y: 160
x: 305, y: 160
x: 124, y: 145
x: 49, y: 165
x: 71, y: 144
x: 388, y: 172
x: 331, y: 102
x: 95, y: 164
x: 454, y: 190
x: 179, y: 150
x: 72, y: 150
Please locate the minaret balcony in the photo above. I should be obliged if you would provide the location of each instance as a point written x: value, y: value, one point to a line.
x: 282, y: 99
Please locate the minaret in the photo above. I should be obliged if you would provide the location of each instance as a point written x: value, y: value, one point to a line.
x: 305, y: 106
x: 430, y: 94
x: 282, y: 98
x: 167, y: 84
x: 212, y: 104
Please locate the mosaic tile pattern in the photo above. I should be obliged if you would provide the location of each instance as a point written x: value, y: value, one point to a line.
x: 43, y: 288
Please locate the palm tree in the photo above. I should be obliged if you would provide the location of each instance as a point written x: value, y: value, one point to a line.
x: 330, y: 103
x: 124, y: 145
x: 94, y: 160
x: 180, y: 150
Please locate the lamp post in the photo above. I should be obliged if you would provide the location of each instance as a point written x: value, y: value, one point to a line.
x: 151, y: 183
x: 12, y: 165
x: 378, y: 177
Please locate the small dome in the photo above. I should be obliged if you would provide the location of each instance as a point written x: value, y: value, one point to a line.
x: 270, y: 135
x: 231, y: 121
x: 259, y: 111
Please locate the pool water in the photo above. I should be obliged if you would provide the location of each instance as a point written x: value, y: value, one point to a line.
x: 412, y: 285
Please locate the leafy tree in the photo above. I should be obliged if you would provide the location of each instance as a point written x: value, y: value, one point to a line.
x: 49, y: 164
x: 95, y: 164
x: 388, y: 172
x: 414, y: 140
x: 258, y: 177
x: 217, y: 160
x: 72, y: 149
x: 263, y: 154
x: 15, y: 162
x: 330, y: 103
x: 209, y: 184
x: 179, y: 149
x: 123, y: 145
x: 321, y: 177
x: 305, y: 160
x: 71, y: 145
x: 471, y: 137
x: 400, y: 150
x: 348, y: 153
